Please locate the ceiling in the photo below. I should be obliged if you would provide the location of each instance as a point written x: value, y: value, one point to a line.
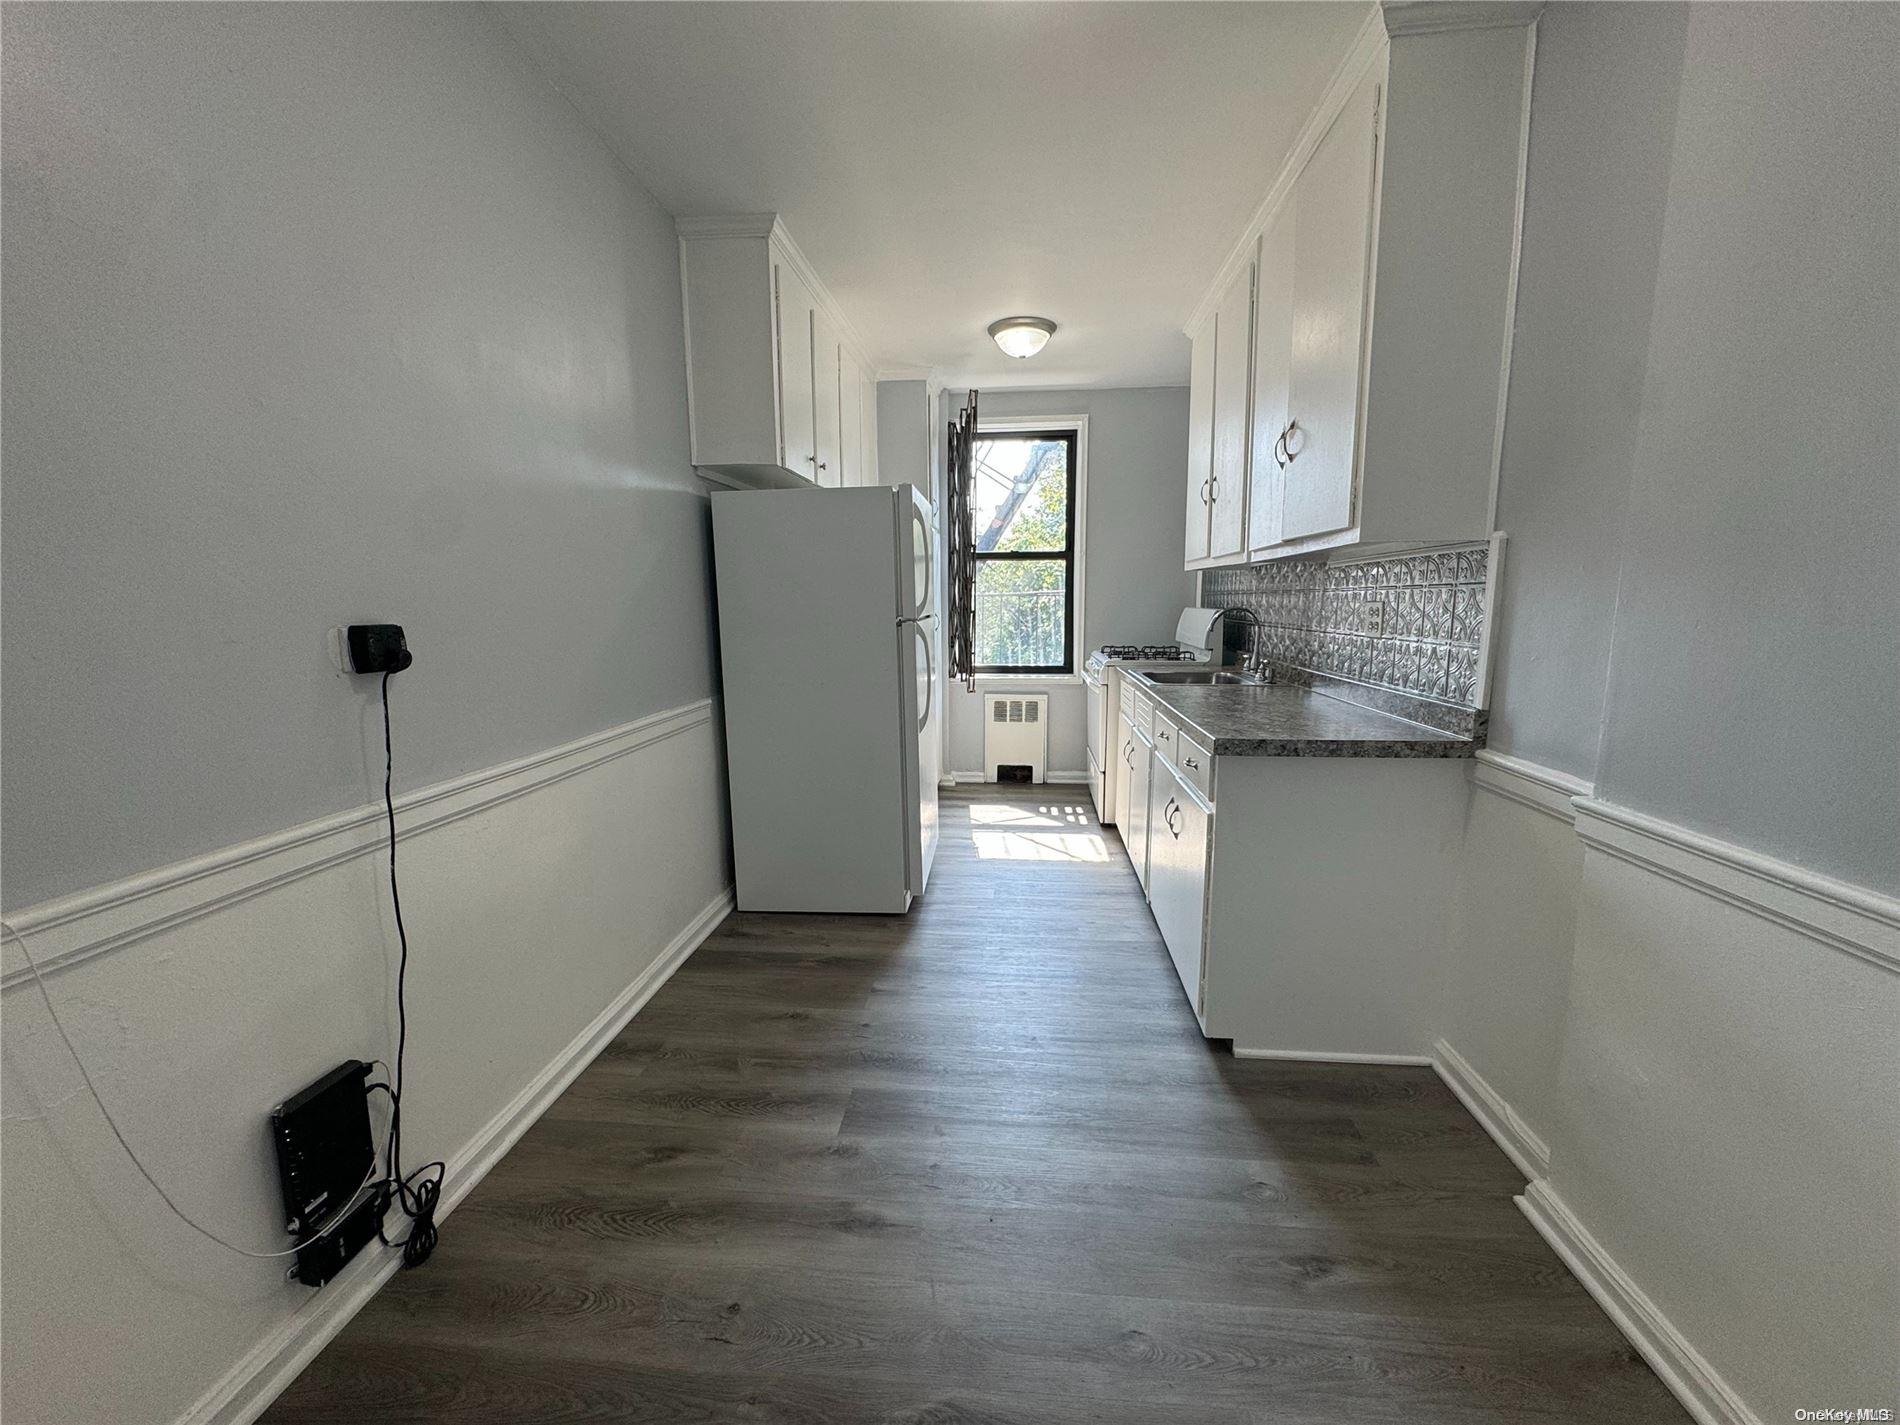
x: 942, y: 165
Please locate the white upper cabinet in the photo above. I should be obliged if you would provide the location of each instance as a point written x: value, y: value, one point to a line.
x: 1383, y: 271
x: 1332, y: 201
x: 1200, y: 471
x: 850, y: 420
x: 827, y: 446
x: 1233, y: 385
x: 768, y: 356
x: 797, y: 373
x: 1272, y: 359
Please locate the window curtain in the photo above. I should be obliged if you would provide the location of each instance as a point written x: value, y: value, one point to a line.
x: 961, y: 539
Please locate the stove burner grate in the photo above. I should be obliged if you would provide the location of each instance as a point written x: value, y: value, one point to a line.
x: 1147, y: 652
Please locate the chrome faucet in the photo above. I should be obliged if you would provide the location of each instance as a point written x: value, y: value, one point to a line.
x: 1254, y: 659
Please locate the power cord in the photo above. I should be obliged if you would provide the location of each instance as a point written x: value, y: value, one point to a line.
x: 145, y: 1172
x: 417, y: 1194
x: 417, y: 1199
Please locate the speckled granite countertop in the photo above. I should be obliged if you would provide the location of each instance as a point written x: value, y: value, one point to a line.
x: 1288, y: 720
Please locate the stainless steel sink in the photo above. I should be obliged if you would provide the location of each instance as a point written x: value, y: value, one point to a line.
x: 1206, y: 677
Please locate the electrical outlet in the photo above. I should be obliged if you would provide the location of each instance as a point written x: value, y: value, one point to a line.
x: 375, y: 648
x: 1372, y: 617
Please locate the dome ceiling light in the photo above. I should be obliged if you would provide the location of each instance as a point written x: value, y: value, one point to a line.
x: 1022, y: 337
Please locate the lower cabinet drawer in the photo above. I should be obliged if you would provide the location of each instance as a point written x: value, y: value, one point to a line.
x: 1196, y: 764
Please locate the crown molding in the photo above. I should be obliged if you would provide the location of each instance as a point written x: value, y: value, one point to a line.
x: 738, y: 225
x: 1431, y: 17
x: 925, y: 374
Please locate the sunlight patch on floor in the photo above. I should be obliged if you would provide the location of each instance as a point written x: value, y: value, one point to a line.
x: 1057, y: 831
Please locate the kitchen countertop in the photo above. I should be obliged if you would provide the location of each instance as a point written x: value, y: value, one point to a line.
x: 1290, y: 720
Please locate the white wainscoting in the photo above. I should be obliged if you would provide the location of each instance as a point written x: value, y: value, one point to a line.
x: 546, y: 900
x: 1687, y: 1047
x: 1508, y: 969
x: 1730, y: 1109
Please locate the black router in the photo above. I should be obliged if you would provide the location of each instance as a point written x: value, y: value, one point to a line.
x: 324, y: 1156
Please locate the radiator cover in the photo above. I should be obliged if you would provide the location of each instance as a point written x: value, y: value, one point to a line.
x: 1015, y: 734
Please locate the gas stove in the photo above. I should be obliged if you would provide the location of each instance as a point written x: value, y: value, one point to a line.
x: 1147, y: 653
x: 1197, y: 639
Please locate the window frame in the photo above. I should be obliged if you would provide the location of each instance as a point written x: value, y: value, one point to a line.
x: 1069, y: 554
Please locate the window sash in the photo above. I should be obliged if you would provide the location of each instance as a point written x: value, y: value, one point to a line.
x: 1065, y: 555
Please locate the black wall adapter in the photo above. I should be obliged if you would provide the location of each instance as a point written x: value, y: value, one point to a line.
x: 377, y: 648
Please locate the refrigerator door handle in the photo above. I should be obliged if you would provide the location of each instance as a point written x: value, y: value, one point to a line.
x: 917, y: 619
x: 930, y: 676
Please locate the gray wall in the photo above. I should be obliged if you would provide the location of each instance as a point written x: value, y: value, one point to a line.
x: 1701, y: 476
x: 316, y: 315
x: 1754, y: 688
x: 904, y: 423
x: 1598, y: 172
x: 1134, y: 587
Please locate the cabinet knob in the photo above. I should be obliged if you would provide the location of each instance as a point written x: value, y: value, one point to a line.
x: 823, y: 466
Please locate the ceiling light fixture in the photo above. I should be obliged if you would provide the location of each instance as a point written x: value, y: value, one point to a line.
x: 1022, y: 337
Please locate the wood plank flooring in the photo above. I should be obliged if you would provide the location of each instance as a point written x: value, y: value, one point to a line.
x: 977, y: 1165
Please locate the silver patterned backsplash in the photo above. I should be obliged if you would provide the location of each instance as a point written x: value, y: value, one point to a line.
x: 1409, y: 624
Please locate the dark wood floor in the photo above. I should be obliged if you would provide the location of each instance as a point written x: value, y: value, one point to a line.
x: 977, y: 1164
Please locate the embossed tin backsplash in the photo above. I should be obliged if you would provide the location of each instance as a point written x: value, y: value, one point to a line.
x: 1411, y: 623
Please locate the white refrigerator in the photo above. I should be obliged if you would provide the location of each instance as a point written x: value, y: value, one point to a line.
x: 832, y: 694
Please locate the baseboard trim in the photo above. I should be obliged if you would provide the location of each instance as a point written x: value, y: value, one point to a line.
x: 1493, y: 1111
x: 73, y: 929
x: 249, y: 1387
x: 1702, y: 1391
x: 1320, y: 1056
x: 1850, y: 918
x: 1530, y: 784
x: 966, y: 779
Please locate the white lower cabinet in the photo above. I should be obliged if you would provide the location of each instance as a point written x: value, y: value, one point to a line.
x: 1309, y: 923
x: 1179, y: 825
x: 1137, y: 754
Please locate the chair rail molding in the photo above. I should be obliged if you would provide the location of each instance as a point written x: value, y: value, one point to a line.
x: 1853, y: 919
x: 73, y: 929
x: 1538, y: 787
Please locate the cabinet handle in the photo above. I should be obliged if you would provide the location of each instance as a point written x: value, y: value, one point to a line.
x: 1213, y: 490
x: 821, y: 464
x: 1287, y: 445
x: 1280, y: 457
x: 1190, y: 762
x: 1204, y: 484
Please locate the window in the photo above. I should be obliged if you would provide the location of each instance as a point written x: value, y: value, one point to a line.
x: 1022, y: 516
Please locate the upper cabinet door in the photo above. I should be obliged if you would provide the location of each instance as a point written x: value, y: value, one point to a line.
x: 796, y: 307
x: 867, y: 432
x: 1200, y: 471
x: 1333, y: 197
x: 1233, y: 370
x: 826, y: 444
x: 851, y: 421
x: 1272, y: 359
